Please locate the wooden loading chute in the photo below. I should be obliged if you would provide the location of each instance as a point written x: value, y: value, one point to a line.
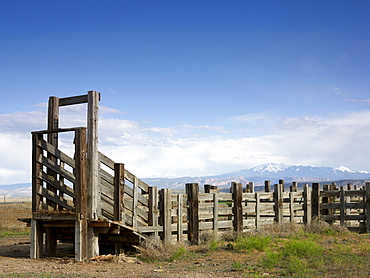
x: 86, y: 198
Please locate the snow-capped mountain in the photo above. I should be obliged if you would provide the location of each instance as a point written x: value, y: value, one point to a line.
x: 271, y: 171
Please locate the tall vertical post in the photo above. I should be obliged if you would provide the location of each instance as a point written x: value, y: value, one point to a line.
x: 267, y: 186
x: 81, y: 194
x: 166, y: 218
x: 367, y: 208
x: 192, y: 190
x: 93, y: 190
x: 153, y: 208
x: 52, y: 138
x: 307, y: 205
x: 278, y: 198
x: 237, y: 208
x: 315, y: 200
x: 119, y: 190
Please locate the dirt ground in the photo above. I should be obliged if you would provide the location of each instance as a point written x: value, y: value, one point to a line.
x: 15, y: 262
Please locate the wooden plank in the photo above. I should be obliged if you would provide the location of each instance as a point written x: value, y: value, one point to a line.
x: 192, y: 190
x: 36, y: 169
x: 329, y: 193
x: 180, y: 212
x: 58, y: 185
x: 355, y: 193
x: 106, y: 161
x: 135, y: 202
x: 55, y: 198
x: 73, y: 100
x: 165, y: 204
x: 56, y: 168
x: 57, y: 153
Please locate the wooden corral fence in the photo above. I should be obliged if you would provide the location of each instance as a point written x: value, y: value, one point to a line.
x: 90, y: 200
x: 184, y: 216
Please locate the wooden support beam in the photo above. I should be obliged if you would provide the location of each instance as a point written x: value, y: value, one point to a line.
x: 307, y: 205
x: 166, y: 214
x: 81, y: 225
x: 315, y: 200
x: 36, y: 250
x: 153, y: 208
x: 279, y: 205
x: 180, y: 212
x: 267, y: 186
x: 237, y: 190
x: 119, y: 190
x: 367, y: 208
x: 192, y: 190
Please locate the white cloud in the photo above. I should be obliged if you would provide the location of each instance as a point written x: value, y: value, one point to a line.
x: 171, y: 151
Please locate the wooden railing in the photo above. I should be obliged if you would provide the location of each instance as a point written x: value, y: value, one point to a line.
x: 124, y: 197
x: 59, y: 182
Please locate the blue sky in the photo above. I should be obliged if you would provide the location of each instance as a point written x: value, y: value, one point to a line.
x: 191, y: 87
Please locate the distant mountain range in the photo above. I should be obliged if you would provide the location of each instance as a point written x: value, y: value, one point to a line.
x: 271, y: 171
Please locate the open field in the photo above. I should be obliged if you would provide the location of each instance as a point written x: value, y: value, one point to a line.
x: 320, y: 251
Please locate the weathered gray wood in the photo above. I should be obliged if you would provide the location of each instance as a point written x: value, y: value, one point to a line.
x: 294, y: 187
x: 73, y: 100
x: 36, y: 247
x: 166, y: 214
x: 307, y: 205
x: 180, y: 212
x: 237, y: 190
x: 57, y: 153
x: 36, y: 169
x: 367, y: 209
x: 291, y: 206
x: 153, y: 208
x: 258, y: 211
x: 215, y: 214
x: 279, y: 206
x: 192, y: 190
x: 93, y: 156
x: 135, y: 202
x: 81, y: 194
x: 119, y: 187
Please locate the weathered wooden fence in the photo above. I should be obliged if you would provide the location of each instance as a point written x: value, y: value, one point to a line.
x: 184, y: 216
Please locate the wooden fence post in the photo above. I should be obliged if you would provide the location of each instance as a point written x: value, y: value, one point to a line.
x: 315, y: 200
x: 153, y: 208
x: 258, y: 210
x: 81, y: 226
x: 166, y: 218
x: 192, y: 190
x: 237, y: 189
x: 180, y: 212
x: 278, y: 198
x: 307, y: 205
x: 267, y: 186
x: 215, y: 215
x: 294, y: 187
x: 367, y: 209
x: 119, y: 190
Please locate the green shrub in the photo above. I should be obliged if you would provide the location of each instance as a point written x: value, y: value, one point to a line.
x: 302, y: 248
x: 270, y: 259
x: 256, y: 242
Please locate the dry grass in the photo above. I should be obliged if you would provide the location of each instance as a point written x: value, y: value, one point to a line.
x: 154, y: 249
x: 10, y: 212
